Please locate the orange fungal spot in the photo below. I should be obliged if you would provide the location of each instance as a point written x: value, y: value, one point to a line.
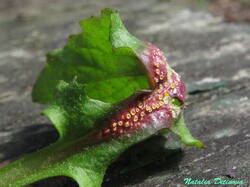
x: 120, y: 123
x: 114, y: 124
x: 127, y: 124
x: 157, y: 71
x: 142, y: 114
x: 160, y: 97
x: 148, y: 108
x: 157, y: 105
x: 154, y: 106
x: 135, y: 118
x: 128, y: 116
x: 157, y: 65
x: 132, y: 112
x: 166, y: 94
x: 140, y: 105
x: 161, y: 103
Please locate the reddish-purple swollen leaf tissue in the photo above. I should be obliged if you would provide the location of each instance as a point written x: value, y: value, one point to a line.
x: 149, y: 108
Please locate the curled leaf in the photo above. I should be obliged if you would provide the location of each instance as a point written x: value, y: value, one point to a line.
x: 180, y: 128
x: 110, y: 65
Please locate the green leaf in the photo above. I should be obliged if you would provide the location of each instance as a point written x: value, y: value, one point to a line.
x: 110, y: 74
x: 180, y: 128
x: 102, y: 59
x: 120, y: 37
x: 73, y: 112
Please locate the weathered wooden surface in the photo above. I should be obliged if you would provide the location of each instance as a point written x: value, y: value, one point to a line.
x: 212, y: 56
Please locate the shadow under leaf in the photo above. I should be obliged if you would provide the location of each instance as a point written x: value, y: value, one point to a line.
x: 27, y: 140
